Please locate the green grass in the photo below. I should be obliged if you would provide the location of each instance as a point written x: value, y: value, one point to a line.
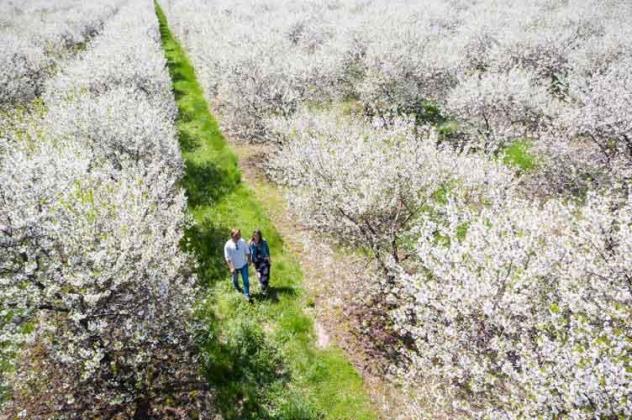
x: 518, y: 155
x: 260, y: 358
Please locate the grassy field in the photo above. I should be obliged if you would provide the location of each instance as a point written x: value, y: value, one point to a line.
x: 260, y: 357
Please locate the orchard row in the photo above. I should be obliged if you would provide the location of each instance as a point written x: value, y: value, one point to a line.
x: 96, y: 293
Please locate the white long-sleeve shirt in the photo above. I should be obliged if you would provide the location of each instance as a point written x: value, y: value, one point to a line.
x: 237, y: 252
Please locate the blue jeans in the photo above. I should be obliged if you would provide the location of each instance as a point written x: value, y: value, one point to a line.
x: 244, y: 276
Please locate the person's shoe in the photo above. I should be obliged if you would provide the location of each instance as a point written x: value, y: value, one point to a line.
x: 248, y: 298
x: 264, y: 291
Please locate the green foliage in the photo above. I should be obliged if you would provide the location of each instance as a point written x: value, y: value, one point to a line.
x: 259, y: 357
x: 461, y: 231
x: 351, y: 107
x: 448, y: 128
x: 429, y: 112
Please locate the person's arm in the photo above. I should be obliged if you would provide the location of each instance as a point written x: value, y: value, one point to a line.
x: 249, y: 254
x: 227, y: 259
x: 267, y: 252
x: 253, y: 250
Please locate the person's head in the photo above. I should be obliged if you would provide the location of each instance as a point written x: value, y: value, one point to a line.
x: 235, y: 234
x: 256, y: 236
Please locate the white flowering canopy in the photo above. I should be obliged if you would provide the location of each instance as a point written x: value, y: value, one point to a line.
x: 96, y: 293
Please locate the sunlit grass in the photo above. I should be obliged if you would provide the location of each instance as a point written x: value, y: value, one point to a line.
x: 519, y: 155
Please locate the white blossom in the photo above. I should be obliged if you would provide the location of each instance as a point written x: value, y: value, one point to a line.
x: 37, y: 35
x: 96, y: 293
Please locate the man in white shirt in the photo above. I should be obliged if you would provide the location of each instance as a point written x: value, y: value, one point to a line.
x: 237, y: 256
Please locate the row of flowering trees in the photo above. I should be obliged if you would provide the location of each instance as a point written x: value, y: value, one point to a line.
x: 36, y: 35
x: 520, y: 308
x: 510, y: 290
x: 550, y: 72
x: 96, y: 295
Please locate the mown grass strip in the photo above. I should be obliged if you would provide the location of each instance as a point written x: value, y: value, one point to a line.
x: 260, y: 358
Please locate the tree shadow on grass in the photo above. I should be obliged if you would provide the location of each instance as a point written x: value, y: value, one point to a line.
x: 178, y: 74
x: 206, y: 240
x: 206, y: 183
x: 189, y: 142
x: 249, y: 375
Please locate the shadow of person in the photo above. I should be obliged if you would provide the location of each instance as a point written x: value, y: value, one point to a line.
x: 275, y: 291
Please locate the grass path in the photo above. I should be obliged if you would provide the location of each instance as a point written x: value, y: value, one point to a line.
x: 261, y: 358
